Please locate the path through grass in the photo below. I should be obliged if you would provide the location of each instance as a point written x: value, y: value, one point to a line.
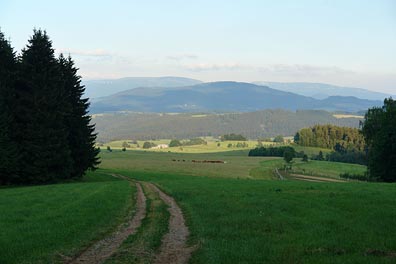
x: 256, y: 221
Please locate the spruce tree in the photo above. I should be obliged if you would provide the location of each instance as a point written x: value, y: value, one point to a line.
x: 8, y: 148
x: 40, y: 123
x: 81, y: 135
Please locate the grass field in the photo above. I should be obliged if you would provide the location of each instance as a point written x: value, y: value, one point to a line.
x: 212, y: 146
x: 256, y: 221
x: 326, y: 168
x: 236, y: 212
x: 238, y: 164
x: 39, y: 224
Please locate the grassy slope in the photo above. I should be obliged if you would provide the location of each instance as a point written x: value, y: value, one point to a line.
x: 234, y: 219
x: 255, y: 221
x: 238, y: 165
x: 39, y: 223
x: 326, y: 168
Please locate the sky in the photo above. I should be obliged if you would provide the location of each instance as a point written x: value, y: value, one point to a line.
x: 341, y: 42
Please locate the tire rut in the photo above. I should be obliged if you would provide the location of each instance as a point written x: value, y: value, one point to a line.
x: 103, y: 249
x: 173, y: 248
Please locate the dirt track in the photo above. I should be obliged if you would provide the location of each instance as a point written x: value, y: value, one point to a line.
x: 314, y: 178
x: 173, y: 248
x: 103, y: 249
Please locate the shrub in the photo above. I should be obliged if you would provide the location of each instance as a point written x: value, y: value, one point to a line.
x: 358, y: 177
x: 147, y: 145
x: 175, y: 143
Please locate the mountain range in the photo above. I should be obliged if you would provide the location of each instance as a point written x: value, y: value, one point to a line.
x: 322, y: 90
x: 214, y: 97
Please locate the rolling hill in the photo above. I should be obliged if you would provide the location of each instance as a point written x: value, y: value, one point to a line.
x: 322, y: 90
x: 100, y: 88
x: 221, y: 97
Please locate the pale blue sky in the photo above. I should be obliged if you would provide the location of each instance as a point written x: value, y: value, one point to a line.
x: 344, y: 42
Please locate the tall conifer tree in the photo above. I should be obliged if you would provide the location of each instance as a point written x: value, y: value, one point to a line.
x: 8, y: 148
x: 42, y: 104
x: 81, y: 136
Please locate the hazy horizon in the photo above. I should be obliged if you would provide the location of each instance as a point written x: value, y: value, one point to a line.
x: 344, y: 43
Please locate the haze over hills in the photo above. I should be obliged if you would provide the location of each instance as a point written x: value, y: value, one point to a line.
x: 322, y: 90
x: 100, y: 88
x: 221, y: 97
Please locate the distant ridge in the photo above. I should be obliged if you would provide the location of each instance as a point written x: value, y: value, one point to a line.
x: 100, y: 88
x: 322, y: 90
x: 221, y: 97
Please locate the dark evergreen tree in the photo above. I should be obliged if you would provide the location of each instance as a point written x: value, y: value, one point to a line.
x: 8, y: 147
x: 288, y: 155
x: 81, y: 133
x: 40, y: 114
x: 379, y: 130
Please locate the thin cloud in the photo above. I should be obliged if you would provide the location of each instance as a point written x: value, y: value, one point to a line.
x: 303, y: 70
x: 215, y: 67
x: 181, y: 57
x: 275, y: 69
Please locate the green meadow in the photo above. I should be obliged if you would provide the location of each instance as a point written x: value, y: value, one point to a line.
x: 43, y: 224
x: 237, y: 211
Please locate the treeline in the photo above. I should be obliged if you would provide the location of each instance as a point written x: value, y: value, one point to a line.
x: 233, y: 137
x: 347, y: 143
x: 273, y: 151
x: 341, y: 139
x: 45, y: 131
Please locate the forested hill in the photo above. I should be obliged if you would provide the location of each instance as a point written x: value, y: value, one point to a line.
x: 221, y: 97
x: 253, y: 125
x: 100, y: 88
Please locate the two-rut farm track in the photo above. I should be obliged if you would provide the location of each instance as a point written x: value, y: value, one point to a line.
x: 173, y: 247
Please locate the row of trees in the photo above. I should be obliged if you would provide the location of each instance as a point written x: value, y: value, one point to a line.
x: 273, y: 151
x: 233, y: 137
x: 332, y: 137
x: 45, y: 131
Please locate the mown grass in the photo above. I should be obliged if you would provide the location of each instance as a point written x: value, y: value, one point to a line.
x: 326, y: 168
x: 40, y: 224
x: 264, y: 221
x: 142, y: 246
x: 238, y: 164
x: 234, y: 215
x: 311, y: 150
